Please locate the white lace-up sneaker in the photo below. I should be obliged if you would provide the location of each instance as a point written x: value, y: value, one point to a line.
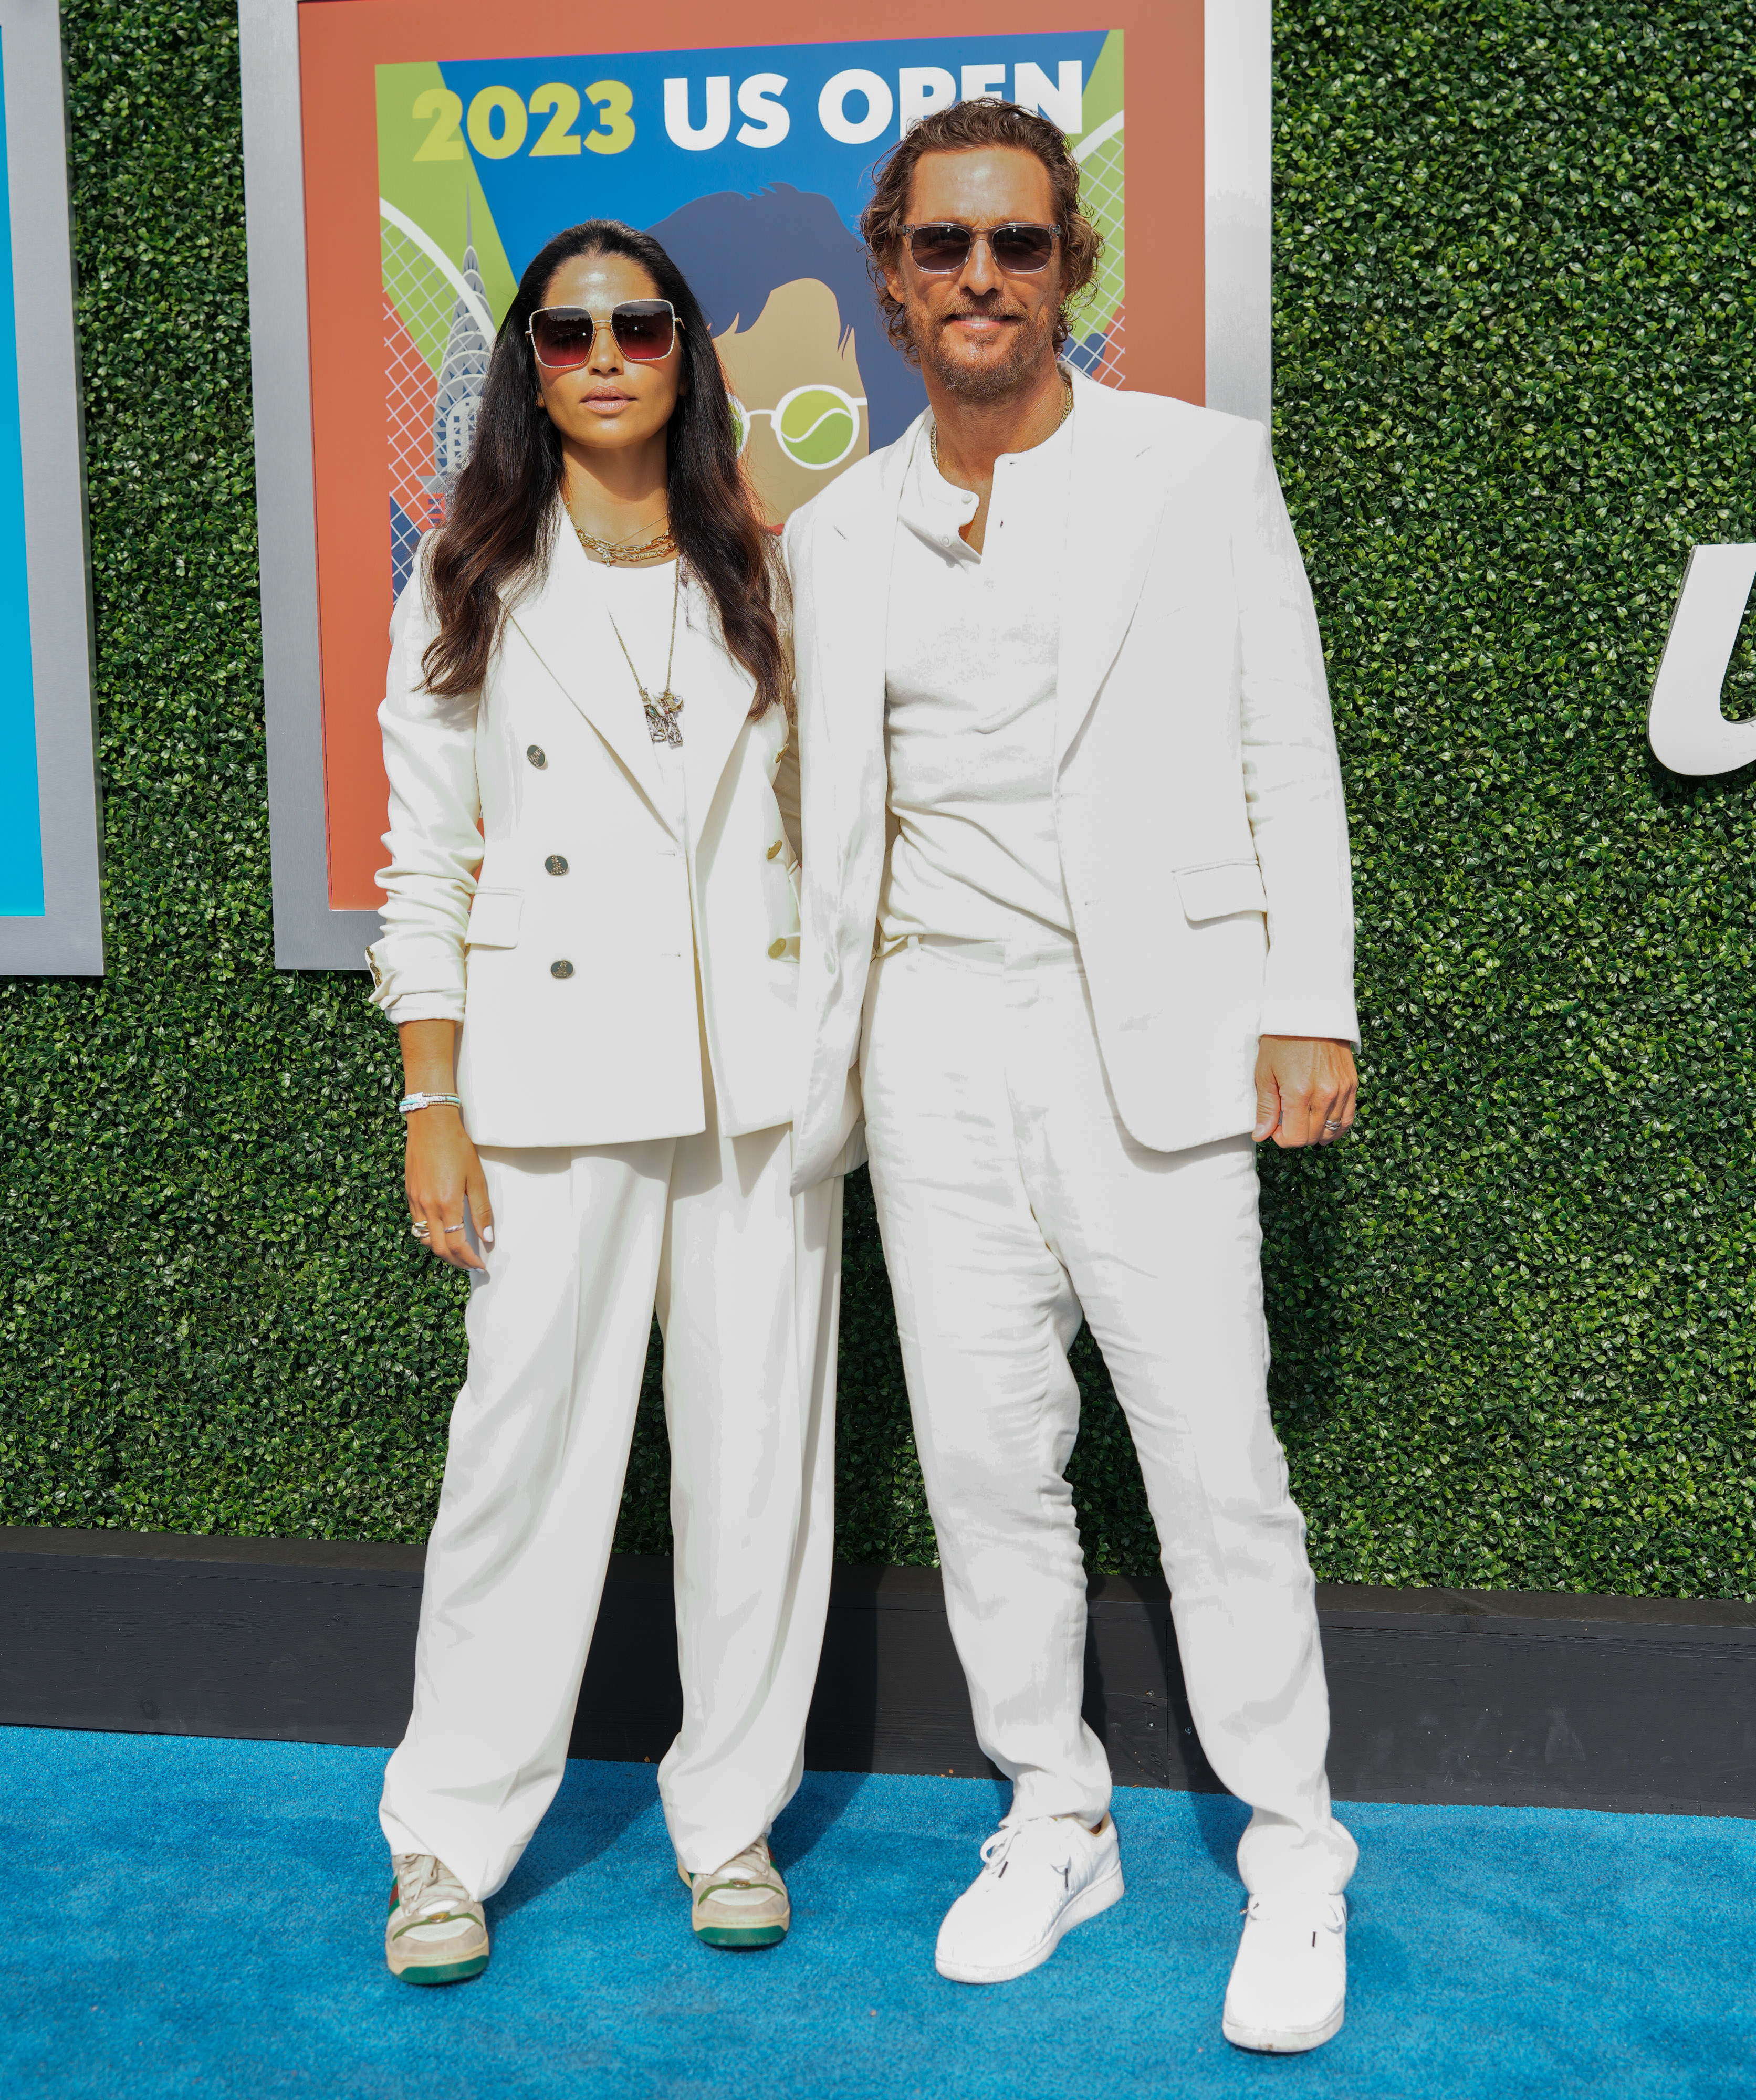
x: 436, y: 1933
x: 1039, y: 1878
x: 743, y: 1904
x: 1288, y: 1987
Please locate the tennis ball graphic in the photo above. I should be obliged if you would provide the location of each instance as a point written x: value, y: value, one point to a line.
x: 740, y: 421
x: 817, y: 427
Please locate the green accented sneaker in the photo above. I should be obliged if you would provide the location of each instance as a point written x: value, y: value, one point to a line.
x: 436, y: 1933
x: 742, y: 1903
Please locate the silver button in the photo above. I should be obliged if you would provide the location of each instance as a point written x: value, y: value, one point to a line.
x: 557, y: 864
x: 560, y: 969
x: 538, y: 755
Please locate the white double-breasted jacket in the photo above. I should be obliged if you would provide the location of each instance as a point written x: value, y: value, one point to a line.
x: 539, y: 892
x: 1198, y: 804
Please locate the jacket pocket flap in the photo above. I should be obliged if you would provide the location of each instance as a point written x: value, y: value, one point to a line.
x: 494, y: 918
x: 1221, y: 887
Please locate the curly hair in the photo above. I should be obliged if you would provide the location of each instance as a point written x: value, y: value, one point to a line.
x: 964, y: 128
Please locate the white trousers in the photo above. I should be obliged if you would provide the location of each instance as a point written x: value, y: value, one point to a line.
x: 1010, y: 1199
x: 745, y: 1280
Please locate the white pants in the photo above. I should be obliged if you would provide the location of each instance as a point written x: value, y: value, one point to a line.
x: 1011, y: 1198
x: 745, y: 1280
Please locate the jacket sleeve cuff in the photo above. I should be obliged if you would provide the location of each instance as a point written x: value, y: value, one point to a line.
x: 416, y: 980
x: 1320, y: 1023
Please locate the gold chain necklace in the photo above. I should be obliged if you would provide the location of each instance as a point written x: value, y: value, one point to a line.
x: 933, y: 428
x: 615, y: 553
x: 662, y: 725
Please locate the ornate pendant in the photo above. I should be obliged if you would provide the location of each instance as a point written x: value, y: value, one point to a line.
x: 662, y: 724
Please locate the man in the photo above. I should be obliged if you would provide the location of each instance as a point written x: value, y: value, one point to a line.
x: 1056, y: 643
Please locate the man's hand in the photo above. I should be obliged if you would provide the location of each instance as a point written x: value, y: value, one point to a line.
x: 1305, y: 1090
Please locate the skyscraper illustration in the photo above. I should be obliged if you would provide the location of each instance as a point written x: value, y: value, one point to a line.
x: 462, y: 375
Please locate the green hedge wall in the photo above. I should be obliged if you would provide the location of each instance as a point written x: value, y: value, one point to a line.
x: 1512, y: 1319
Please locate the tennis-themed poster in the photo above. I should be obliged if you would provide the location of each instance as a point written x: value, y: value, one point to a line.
x: 751, y: 167
x: 403, y: 163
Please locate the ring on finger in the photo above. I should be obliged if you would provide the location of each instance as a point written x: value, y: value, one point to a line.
x: 1328, y: 1125
x: 456, y: 1227
x: 421, y: 1230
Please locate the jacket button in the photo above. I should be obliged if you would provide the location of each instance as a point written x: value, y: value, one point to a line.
x: 775, y: 848
x: 560, y: 969
x: 538, y: 755
x: 557, y: 864
x: 776, y: 950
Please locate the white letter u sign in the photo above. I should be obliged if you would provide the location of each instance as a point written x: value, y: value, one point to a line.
x: 1683, y: 723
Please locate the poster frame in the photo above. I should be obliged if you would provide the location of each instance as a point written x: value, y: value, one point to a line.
x: 311, y: 933
x: 66, y: 939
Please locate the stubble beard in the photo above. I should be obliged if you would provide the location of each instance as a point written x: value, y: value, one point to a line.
x: 993, y: 379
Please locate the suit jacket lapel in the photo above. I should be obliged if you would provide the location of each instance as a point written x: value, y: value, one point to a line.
x: 1115, y: 506
x: 851, y: 614
x: 565, y: 623
x: 717, y: 693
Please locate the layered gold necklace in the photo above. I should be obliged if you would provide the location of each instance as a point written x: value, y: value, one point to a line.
x: 616, y: 552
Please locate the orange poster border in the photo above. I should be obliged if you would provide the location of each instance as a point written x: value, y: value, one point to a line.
x: 342, y: 42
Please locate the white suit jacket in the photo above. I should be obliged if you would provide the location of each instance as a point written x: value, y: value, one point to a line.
x: 1198, y: 798
x: 576, y: 989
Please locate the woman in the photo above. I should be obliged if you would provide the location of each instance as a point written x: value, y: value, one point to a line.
x: 585, y: 717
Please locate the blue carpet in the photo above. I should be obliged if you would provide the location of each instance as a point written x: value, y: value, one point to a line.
x: 191, y: 1917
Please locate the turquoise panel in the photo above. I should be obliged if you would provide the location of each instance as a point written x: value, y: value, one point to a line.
x: 20, y: 814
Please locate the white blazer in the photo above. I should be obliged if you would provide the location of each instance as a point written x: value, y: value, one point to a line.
x: 576, y: 989
x: 1197, y: 797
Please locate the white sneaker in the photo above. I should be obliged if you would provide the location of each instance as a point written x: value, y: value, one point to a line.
x: 1288, y: 1987
x: 1039, y: 1878
x: 436, y: 1933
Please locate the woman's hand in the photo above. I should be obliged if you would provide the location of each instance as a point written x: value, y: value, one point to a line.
x: 442, y: 1173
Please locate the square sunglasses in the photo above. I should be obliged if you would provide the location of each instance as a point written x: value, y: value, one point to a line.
x: 562, y: 336
x: 942, y: 250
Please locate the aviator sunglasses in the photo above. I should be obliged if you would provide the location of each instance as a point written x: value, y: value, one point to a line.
x: 943, y: 248
x: 562, y: 336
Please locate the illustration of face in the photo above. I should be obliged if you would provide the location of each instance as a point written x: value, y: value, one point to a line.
x: 798, y: 384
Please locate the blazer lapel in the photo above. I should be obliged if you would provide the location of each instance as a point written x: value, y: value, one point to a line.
x: 565, y: 623
x: 1115, y: 508
x: 716, y: 692
x: 850, y: 613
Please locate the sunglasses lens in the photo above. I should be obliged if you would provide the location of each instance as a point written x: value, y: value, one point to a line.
x: 562, y: 338
x: 644, y: 329
x: 939, y: 249
x: 1022, y: 250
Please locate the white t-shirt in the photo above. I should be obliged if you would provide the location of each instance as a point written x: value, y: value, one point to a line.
x: 970, y: 663
x: 639, y: 600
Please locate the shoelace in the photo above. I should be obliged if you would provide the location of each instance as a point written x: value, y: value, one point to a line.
x: 997, y: 1849
x: 751, y: 1864
x: 1257, y: 1911
x: 427, y: 1885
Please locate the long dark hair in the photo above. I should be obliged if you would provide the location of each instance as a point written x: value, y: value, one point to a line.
x: 494, y: 538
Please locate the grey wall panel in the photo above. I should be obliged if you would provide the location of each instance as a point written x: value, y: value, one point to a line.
x: 67, y: 938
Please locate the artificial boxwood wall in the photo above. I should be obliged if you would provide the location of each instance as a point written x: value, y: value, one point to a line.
x: 1513, y: 1318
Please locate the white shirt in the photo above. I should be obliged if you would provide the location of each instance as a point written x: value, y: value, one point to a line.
x: 640, y: 603
x: 969, y: 705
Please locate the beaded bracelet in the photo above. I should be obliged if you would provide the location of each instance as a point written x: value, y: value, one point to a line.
x: 410, y: 1102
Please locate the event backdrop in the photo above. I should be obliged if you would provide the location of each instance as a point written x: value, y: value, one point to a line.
x: 1514, y: 1318
x: 436, y: 147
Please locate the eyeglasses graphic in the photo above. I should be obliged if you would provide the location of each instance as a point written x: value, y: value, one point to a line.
x: 815, y: 427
